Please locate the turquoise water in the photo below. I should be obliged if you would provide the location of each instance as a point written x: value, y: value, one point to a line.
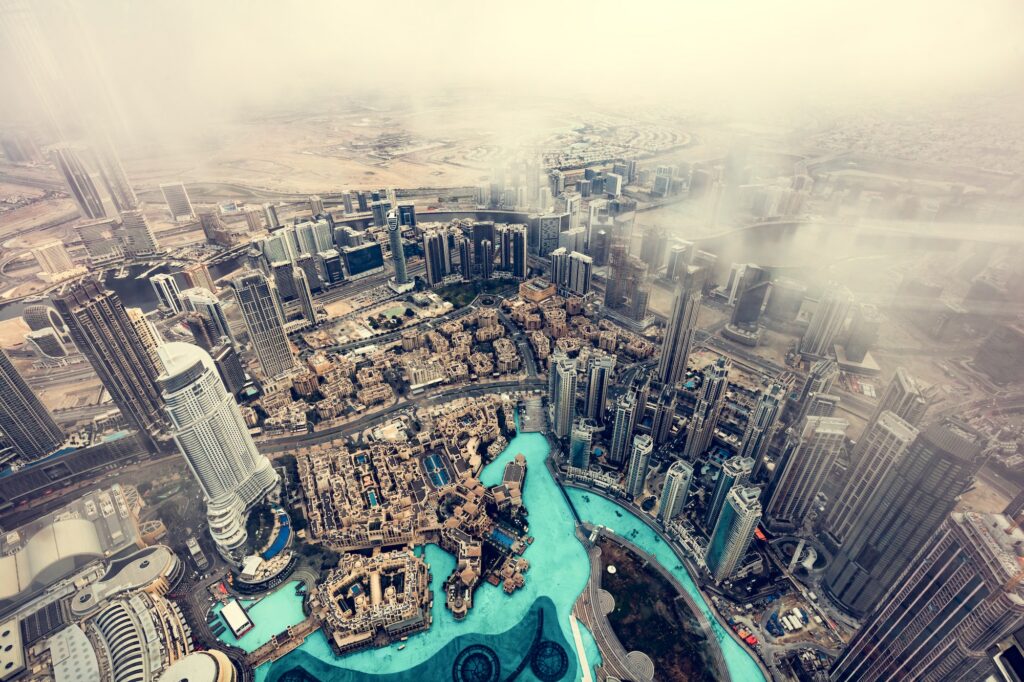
x: 599, y: 511
x: 273, y: 614
x: 500, y: 623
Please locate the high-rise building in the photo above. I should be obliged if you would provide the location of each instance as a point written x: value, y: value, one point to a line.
x: 48, y: 343
x: 254, y: 219
x: 809, y: 458
x: 407, y: 215
x: 710, y: 400
x: 599, y: 375
x: 675, y: 349
x: 207, y: 305
x: 622, y: 428
x: 580, y: 441
x: 827, y: 321
x: 679, y: 257
x: 731, y: 536
x: 520, y: 251
x: 25, y: 423
x: 229, y: 366
x: 261, y: 310
x: 316, y: 205
x: 580, y: 269
x: 863, y: 334
x: 284, y: 279
x: 664, y: 415
x: 270, y: 217
x: 753, y: 288
x: 100, y: 239
x: 819, y: 381
x: 487, y: 264
x: 639, y: 461
x: 960, y: 595
x: 466, y: 258
x: 559, y: 260
x: 436, y: 256
x: 211, y: 433
x: 762, y: 423
x: 653, y: 245
x: 676, y: 490
x: 52, y: 257
x: 103, y: 332
x: 198, y: 275
x: 79, y: 183
x: 203, y: 333
x: 178, y: 203
x: 561, y: 393
x: 115, y: 179
x: 304, y: 295
x: 905, y: 398
x: 149, y: 335
x: 136, y: 235
x: 397, y: 250
x: 735, y: 471
x: 881, y: 447
x: 904, y: 513
x: 167, y: 293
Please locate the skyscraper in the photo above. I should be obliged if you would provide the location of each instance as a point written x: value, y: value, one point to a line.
x: 622, y: 428
x: 762, y: 423
x: 731, y: 536
x: 102, y: 331
x: 198, y: 275
x: 167, y: 293
x: 599, y: 374
x: 205, y: 303
x: 710, y: 399
x: 809, y: 459
x: 136, y: 234
x: 676, y: 490
x: 304, y: 295
x: 639, y: 461
x: 906, y: 509
x: 904, y: 397
x: 115, y: 179
x: 487, y: 264
x: 210, y: 432
x: 578, y: 276
x: 664, y: 415
x: 270, y: 216
x: 24, y: 421
x: 261, y: 311
x: 436, y: 256
x: 580, y: 442
x: 675, y: 349
x: 559, y: 263
x: 753, y: 288
x: 881, y: 447
x: 819, y: 381
x: 79, y: 183
x: 827, y: 322
x: 316, y: 205
x: 735, y: 471
x: 397, y: 250
x: 520, y: 253
x: 178, y: 203
x: 959, y: 596
x: 561, y: 393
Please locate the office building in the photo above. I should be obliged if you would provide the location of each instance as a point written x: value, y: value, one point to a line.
x: 559, y: 264
x: 466, y: 258
x: 664, y: 415
x: 206, y: 304
x: 731, y: 536
x: 809, y: 459
x: 254, y: 219
x: 178, y: 203
x: 956, y: 600
x: 580, y: 442
x: 599, y: 376
x: 827, y: 322
x: 883, y: 444
x: 682, y: 324
x: 149, y: 336
x: 904, y: 514
x: 380, y: 210
x: 48, y: 344
x: 762, y: 424
x: 561, y: 393
x: 210, y: 432
x: 487, y: 264
x: 168, y: 295
x: 407, y: 215
x: 52, y: 257
x: 103, y: 332
x: 905, y: 398
x: 580, y: 270
x: 624, y: 422
x: 679, y: 257
x: 734, y: 471
x: 198, y: 275
x: 863, y: 333
x: 710, y: 400
x: 819, y: 381
x: 653, y: 245
x: 436, y: 256
x: 284, y: 279
x: 229, y: 367
x: 316, y: 205
x: 25, y: 423
x: 79, y: 183
x: 549, y: 227
x: 203, y: 333
x: 397, y: 250
x: 114, y: 178
x: 639, y: 462
x: 364, y: 260
x: 137, y: 236
x: 261, y: 310
x: 310, y: 265
x: 676, y: 491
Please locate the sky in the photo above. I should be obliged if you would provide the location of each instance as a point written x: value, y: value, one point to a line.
x: 195, y: 60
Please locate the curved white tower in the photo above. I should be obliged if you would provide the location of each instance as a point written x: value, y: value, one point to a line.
x: 210, y: 432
